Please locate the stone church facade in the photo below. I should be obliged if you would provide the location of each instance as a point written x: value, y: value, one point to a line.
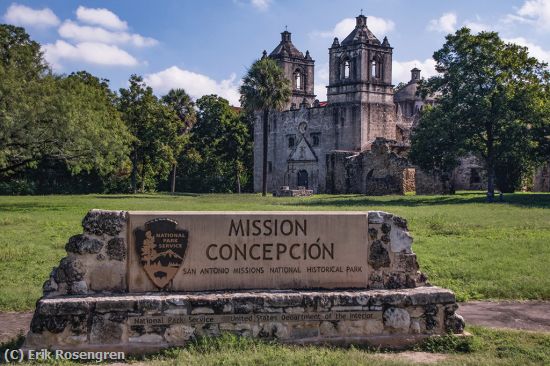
x: 326, y: 146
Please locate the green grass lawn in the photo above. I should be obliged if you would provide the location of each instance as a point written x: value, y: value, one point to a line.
x: 479, y: 250
x: 486, y: 347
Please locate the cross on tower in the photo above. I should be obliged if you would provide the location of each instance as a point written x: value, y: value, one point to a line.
x: 285, y: 28
x: 361, y: 11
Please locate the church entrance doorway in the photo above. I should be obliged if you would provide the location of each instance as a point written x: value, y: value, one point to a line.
x: 302, y: 179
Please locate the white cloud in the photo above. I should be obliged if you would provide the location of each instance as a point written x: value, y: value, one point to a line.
x: 88, y: 52
x: 84, y: 33
x: 477, y: 27
x: 534, y: 50
x: 261, y: 5
x: 536, y: 11
x: 401, y: 71
x: 321, y: 81
x: 379, y: 26
x: 445, y: 23
x: 100, y: 16
x: 195, y: 84
x: 23, y: 15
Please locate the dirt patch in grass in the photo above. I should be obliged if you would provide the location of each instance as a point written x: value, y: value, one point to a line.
x: 14, y: 324
x: 527, y: 315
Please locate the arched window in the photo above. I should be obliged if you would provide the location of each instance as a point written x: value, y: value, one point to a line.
x: 347, y: 68
x: 298, y: 79
x: 373, y: 68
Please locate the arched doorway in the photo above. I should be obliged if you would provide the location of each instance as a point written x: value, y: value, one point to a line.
x: 302, y: 179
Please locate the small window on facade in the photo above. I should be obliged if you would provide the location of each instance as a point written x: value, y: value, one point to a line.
x: 315, y: 139
x: 291, y: 141
x: 373, y: 68
x: 298, y: 80
x: 269, y: 167
x: 346, y: 69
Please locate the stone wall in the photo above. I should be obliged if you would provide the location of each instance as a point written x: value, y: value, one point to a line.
x: 344, y: 126
x: 96, y: 260
x: 470, y: 174
x: 541, y: 179
x: 143, y: 323
x: 431, y: 183
x: 378, y: 171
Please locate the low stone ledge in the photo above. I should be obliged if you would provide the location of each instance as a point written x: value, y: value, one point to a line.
x: 160, y: 320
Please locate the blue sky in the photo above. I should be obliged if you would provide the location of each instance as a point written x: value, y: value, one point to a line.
x: 206, y: 46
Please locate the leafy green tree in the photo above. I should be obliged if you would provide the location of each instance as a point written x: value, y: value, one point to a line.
x: 265, y: 88
x: 154, y: 127
x: 493, y: 97
x: 236, y: 148
x: 182, y: 104
x: 218, y: 155
x: 435, y: 145
x: 43, y: 116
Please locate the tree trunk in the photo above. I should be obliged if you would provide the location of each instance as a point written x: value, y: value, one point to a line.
x: 238, y: 178
x: 134, y: 171
x: 490, y: 181
x: 264, y: 156
x: 490, y: 168
x: 173, y: 187
x: 142, y: 190
x: 238, y: 184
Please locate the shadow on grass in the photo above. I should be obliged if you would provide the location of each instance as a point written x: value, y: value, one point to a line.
x: 31, y: 206
x: 535, y: 200
x: 157, y: 196
x: 12, y: 344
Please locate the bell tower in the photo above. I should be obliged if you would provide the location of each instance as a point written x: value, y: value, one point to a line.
x: 360, y: 76
x: 299, y: 69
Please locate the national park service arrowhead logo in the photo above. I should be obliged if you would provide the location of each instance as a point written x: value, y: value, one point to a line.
x: 161, y: 248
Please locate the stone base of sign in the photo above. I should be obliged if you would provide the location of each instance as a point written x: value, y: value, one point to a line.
x: 138, y: 323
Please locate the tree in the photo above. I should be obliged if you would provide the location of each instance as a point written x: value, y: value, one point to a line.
x: 43, y: 116
x: 155, y: 127
x: 218, y: 154
x: 493, y: 97
x: 183, y: 106
x: 435, y: 145
x: 265, y: 88
x: 236, y: 147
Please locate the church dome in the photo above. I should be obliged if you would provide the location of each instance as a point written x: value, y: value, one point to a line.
x: 361, y: 33
x: 408, y: 92
x: 286, y: 48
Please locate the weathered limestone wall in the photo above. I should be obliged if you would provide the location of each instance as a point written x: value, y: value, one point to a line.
x: 470, y: 174
x: 428, y: 183
x: 377, y: 171
x: 96, y: 260
x: 541, y: 180
x: 345, y: 126
x: 144, y: 323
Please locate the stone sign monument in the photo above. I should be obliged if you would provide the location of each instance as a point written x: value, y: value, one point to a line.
x: 143, y: 281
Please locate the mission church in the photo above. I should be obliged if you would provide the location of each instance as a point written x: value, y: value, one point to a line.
x: 361, y: 107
